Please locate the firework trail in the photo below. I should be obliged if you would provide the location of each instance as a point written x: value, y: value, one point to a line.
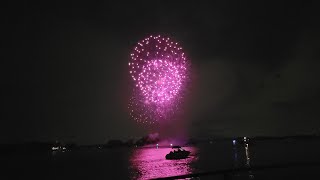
x: 159, y: 70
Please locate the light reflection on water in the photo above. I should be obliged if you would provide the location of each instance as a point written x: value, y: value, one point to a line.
x: 146, y: 163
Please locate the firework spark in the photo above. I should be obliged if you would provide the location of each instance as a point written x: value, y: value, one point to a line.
x: 159, y: 70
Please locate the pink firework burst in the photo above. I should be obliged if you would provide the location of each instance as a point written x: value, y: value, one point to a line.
x: 159, y: 70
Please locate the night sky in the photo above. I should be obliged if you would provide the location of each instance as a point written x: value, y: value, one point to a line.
x: 64, y: 71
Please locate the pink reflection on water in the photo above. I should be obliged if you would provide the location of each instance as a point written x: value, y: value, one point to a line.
x: 147, y: 163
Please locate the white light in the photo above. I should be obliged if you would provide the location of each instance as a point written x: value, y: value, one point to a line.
x: 170, y: 144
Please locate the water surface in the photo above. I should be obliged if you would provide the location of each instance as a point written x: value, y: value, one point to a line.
x: 146, y: 163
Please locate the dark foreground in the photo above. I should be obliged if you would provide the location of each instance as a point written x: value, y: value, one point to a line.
x: 264, y: 159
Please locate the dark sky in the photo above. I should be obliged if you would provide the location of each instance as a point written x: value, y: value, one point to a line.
x: 64, y: 74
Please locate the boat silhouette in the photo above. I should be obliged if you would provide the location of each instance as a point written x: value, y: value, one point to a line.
x: 178, y: 153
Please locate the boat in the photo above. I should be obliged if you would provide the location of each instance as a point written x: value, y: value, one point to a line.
x: 178, y: 153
